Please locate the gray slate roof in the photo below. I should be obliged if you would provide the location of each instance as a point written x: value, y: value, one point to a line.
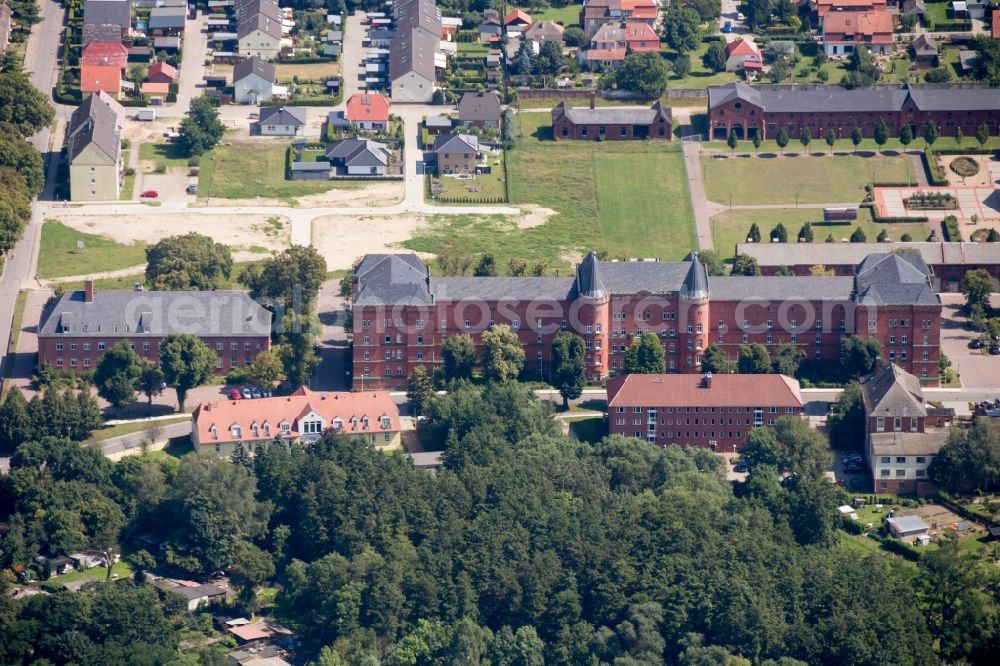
x: 501, y: 288
x: 253, y: 65
x: 834, y: 99
x: 358, y: 152
x: 611, y: 115
x: 101, y: 32
x: 479, y: 106
x: 261, y: 22
x: 696, y: 281
x: 167, y: 17
x: 97, y: 121
x: 283, y: 115
x: 197, y: 592
x: 128, y: 313
x: 588, y: 278
x: 908, y: 443
x: 337, y: 119
x: 738, y: 287
x: 464, y: 144
x: 247, y: 8
x: 392, y: 279
x: 117, y: 12
x: 412, y: 51
x: 886, y: 279
x: 890, y: 391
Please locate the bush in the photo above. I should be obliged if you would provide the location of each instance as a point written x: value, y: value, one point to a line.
x: 950, y: 228
x: 236, y: 376
x: 194, y: 161
x: 935, y: 173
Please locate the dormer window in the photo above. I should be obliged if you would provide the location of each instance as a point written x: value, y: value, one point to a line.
x: 237, y: 432
x: 364, y: 423
x: 214, y: 431
x: 354, y: 423
x: 386, y: 422
x: 267, y: 428
x: 285, y: 426
x: 338, y: 424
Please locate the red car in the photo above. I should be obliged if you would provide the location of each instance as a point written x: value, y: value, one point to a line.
x: 149, y: 194
x: 234, y: 394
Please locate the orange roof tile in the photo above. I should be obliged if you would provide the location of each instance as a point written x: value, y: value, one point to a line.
x: 370, y: 107
x: 848, y: 26
x: 160, y: 67
x: 517, y: 15
x: 688, y: 390
x: 149, y: 88
x: 346, y: 406
x: 996, y: 24
x: 742, y: 47
x: 105, y: 54
x: 605, y: 54
x: 94, y: 78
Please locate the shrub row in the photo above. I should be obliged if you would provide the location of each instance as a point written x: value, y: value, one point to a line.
x: 935, y: 172
x: 949, y: 226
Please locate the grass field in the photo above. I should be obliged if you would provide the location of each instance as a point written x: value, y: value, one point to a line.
x: 128, y: 184
x: 484, y: 186
x: 548, y: 103
x: 164, y: 154
x: 731, y: 227
x: 700, y: 76
x: 818, y: 146
x: 121, y: 570
x: 247, y: 171
x: 60, y: 255
x: 129, y: 428
x: 314, y: 71
x: 568, y: 15
x: 838, y: 179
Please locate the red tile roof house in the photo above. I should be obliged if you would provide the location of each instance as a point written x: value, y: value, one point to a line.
x: 155, y: 93
x: 641, y: 37
x: 742, y: 54
x: 611, y: 123
x: 714, y: 412
x: 824, y: 7
x: 517, y: 20
x: 220, y: 427
x: 995, y: 26
x: 161, y: 72
x: 369, y: 111
x: 596, y: 13
x: 844, y: 31
x: 607, y: 47
x: 102, y: 67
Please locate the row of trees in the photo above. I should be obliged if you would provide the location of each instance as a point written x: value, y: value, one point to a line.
x: 859, y: 356
x: 54, y: 413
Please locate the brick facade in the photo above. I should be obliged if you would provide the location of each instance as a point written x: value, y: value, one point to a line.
x: 402, y: 316
x: 610, y: 123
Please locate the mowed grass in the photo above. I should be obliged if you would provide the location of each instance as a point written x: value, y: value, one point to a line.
x: 731, y: 227
x: 60, y: 255
x: 248, y: 171
x: 836, y: 179
x: 163, y: 154
x: 315, y: 71
x: 568, y: 15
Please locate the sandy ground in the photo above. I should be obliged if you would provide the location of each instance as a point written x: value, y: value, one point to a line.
x: 374, y: 195
x: 239, y: 232
x: 341, y: 238
x: 534, y: 216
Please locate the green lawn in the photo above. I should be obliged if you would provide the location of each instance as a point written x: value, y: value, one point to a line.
x: 128, y: 184
x: 122, y: 569
x: 818, y: 146
x: 60, y: 255
x: 589, y: 428
x: 164, y: 154
x: 700, y: 76
x: 472, y: 49
x: 129, y: 428
x: 247, y: 171
x: 837, y: 179
x: 568, y: 15
x: 483, y: 186
x: 731, y: 227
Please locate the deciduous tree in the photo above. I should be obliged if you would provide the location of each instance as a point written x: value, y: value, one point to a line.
x: 644, y: 356
x: 568, y: 366
x: 117, y: 373
x: 458, y: 352
x: 191, y: 262
x: 503, y: 355
x: 186, y: 362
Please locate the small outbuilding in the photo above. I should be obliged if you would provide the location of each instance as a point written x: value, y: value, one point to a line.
x: 907, y: 528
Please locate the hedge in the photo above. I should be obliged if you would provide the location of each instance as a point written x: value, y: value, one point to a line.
x: 949, y: 226
x: 935, y: 172
x: 303, y: 61
x: 901, y: 548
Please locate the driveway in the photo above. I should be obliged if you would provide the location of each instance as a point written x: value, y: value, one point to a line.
x: 192, y: 67
x: 976, y: 368
x: 730, y: 10
x: 334, y: 348
x: 352, y: 56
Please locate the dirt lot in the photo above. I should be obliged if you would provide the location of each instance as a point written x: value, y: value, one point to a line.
x: 318, y: 71
x: 942, y: 521
x: 341, y: 238
x: 240, y: 232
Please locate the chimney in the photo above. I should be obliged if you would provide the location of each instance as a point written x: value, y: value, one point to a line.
x: 707, y: 381
x: 88, y: 290
x: 593, y: 99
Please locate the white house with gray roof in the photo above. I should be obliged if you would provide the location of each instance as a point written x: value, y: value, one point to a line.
x: 93, y: 142
x: 253, y: 81
x: 359, y: 157
x: 282, y: 120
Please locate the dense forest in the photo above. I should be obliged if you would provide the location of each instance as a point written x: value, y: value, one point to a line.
x: 529, y: 548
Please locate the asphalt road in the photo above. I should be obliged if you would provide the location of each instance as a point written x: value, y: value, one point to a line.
x: 116, y: 446
x: 40, y: 62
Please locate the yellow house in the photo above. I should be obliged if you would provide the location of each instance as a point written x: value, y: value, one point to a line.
x: 221, y: 426
x: 93, y: 142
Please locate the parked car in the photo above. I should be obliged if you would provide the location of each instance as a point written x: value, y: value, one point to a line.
x: 727, y: 26
x: 994, y: 350
x: 975, y: 343
x: 192, y: 188
x: 853, y: 468
x: 852, y: 458
x: 149, y: 194
x: 247, y: 395
x: 741, y: 466
x: 254, y: 116
x: 740, y: 16
x: 256, y: 393
x: 234, y: 394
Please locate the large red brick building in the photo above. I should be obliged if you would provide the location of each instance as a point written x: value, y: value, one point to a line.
x: 767, y: 109
x: 76, y: 329
x: 611, y: 123
x: 402, y: 315
x: 715, y: 412
x: 947, y: 263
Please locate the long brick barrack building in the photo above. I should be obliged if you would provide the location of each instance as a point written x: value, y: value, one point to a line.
x: 402, y: 314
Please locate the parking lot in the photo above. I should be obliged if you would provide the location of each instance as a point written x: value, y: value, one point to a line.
x: 976, y: 368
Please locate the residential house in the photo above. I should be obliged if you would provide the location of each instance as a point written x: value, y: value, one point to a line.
x: 102, y: 67
x: 908, y: 528
x: 220, y: 427
x: 55, y: 565
x: 80, y: 325
x: 261, y: 654
x: 196, y: 595
x: 902, y: 432
x: 743, y: 55
x: 450, y: 25
x: 161, y: 72
x: 596, y: 13
x: 259, y: 35
x: 610, y: 303
x: 490, y: 28
x: 517, y: 20
x: 925, y: 50
x: 93, y: 144
x: 641, y: 37
x: 253, y: 81
x: 437, y: 125
x: 337, y: 122
x: 167, y: 21
x: 303, y: 170
x: 369, y: 111
x: 479, y: 109
x: 545, y: 31
x: 359, y: 157
x: 611, y: 123
x: 845, y: 31
x: 101, y: 32
x: 825, y: 7
x: 282, y: 120
x: 607, y: 47
x: 913, y: 7
x: 456, y: 153
x: 414, y: 56
x: 155, y: 93
x: 104, y: 12
x: 768, y: 109
x: 88, y: 559
x: 716, y: 412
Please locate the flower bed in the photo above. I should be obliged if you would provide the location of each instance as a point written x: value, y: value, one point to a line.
x: 964, y: 166
x: 930, y: 201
